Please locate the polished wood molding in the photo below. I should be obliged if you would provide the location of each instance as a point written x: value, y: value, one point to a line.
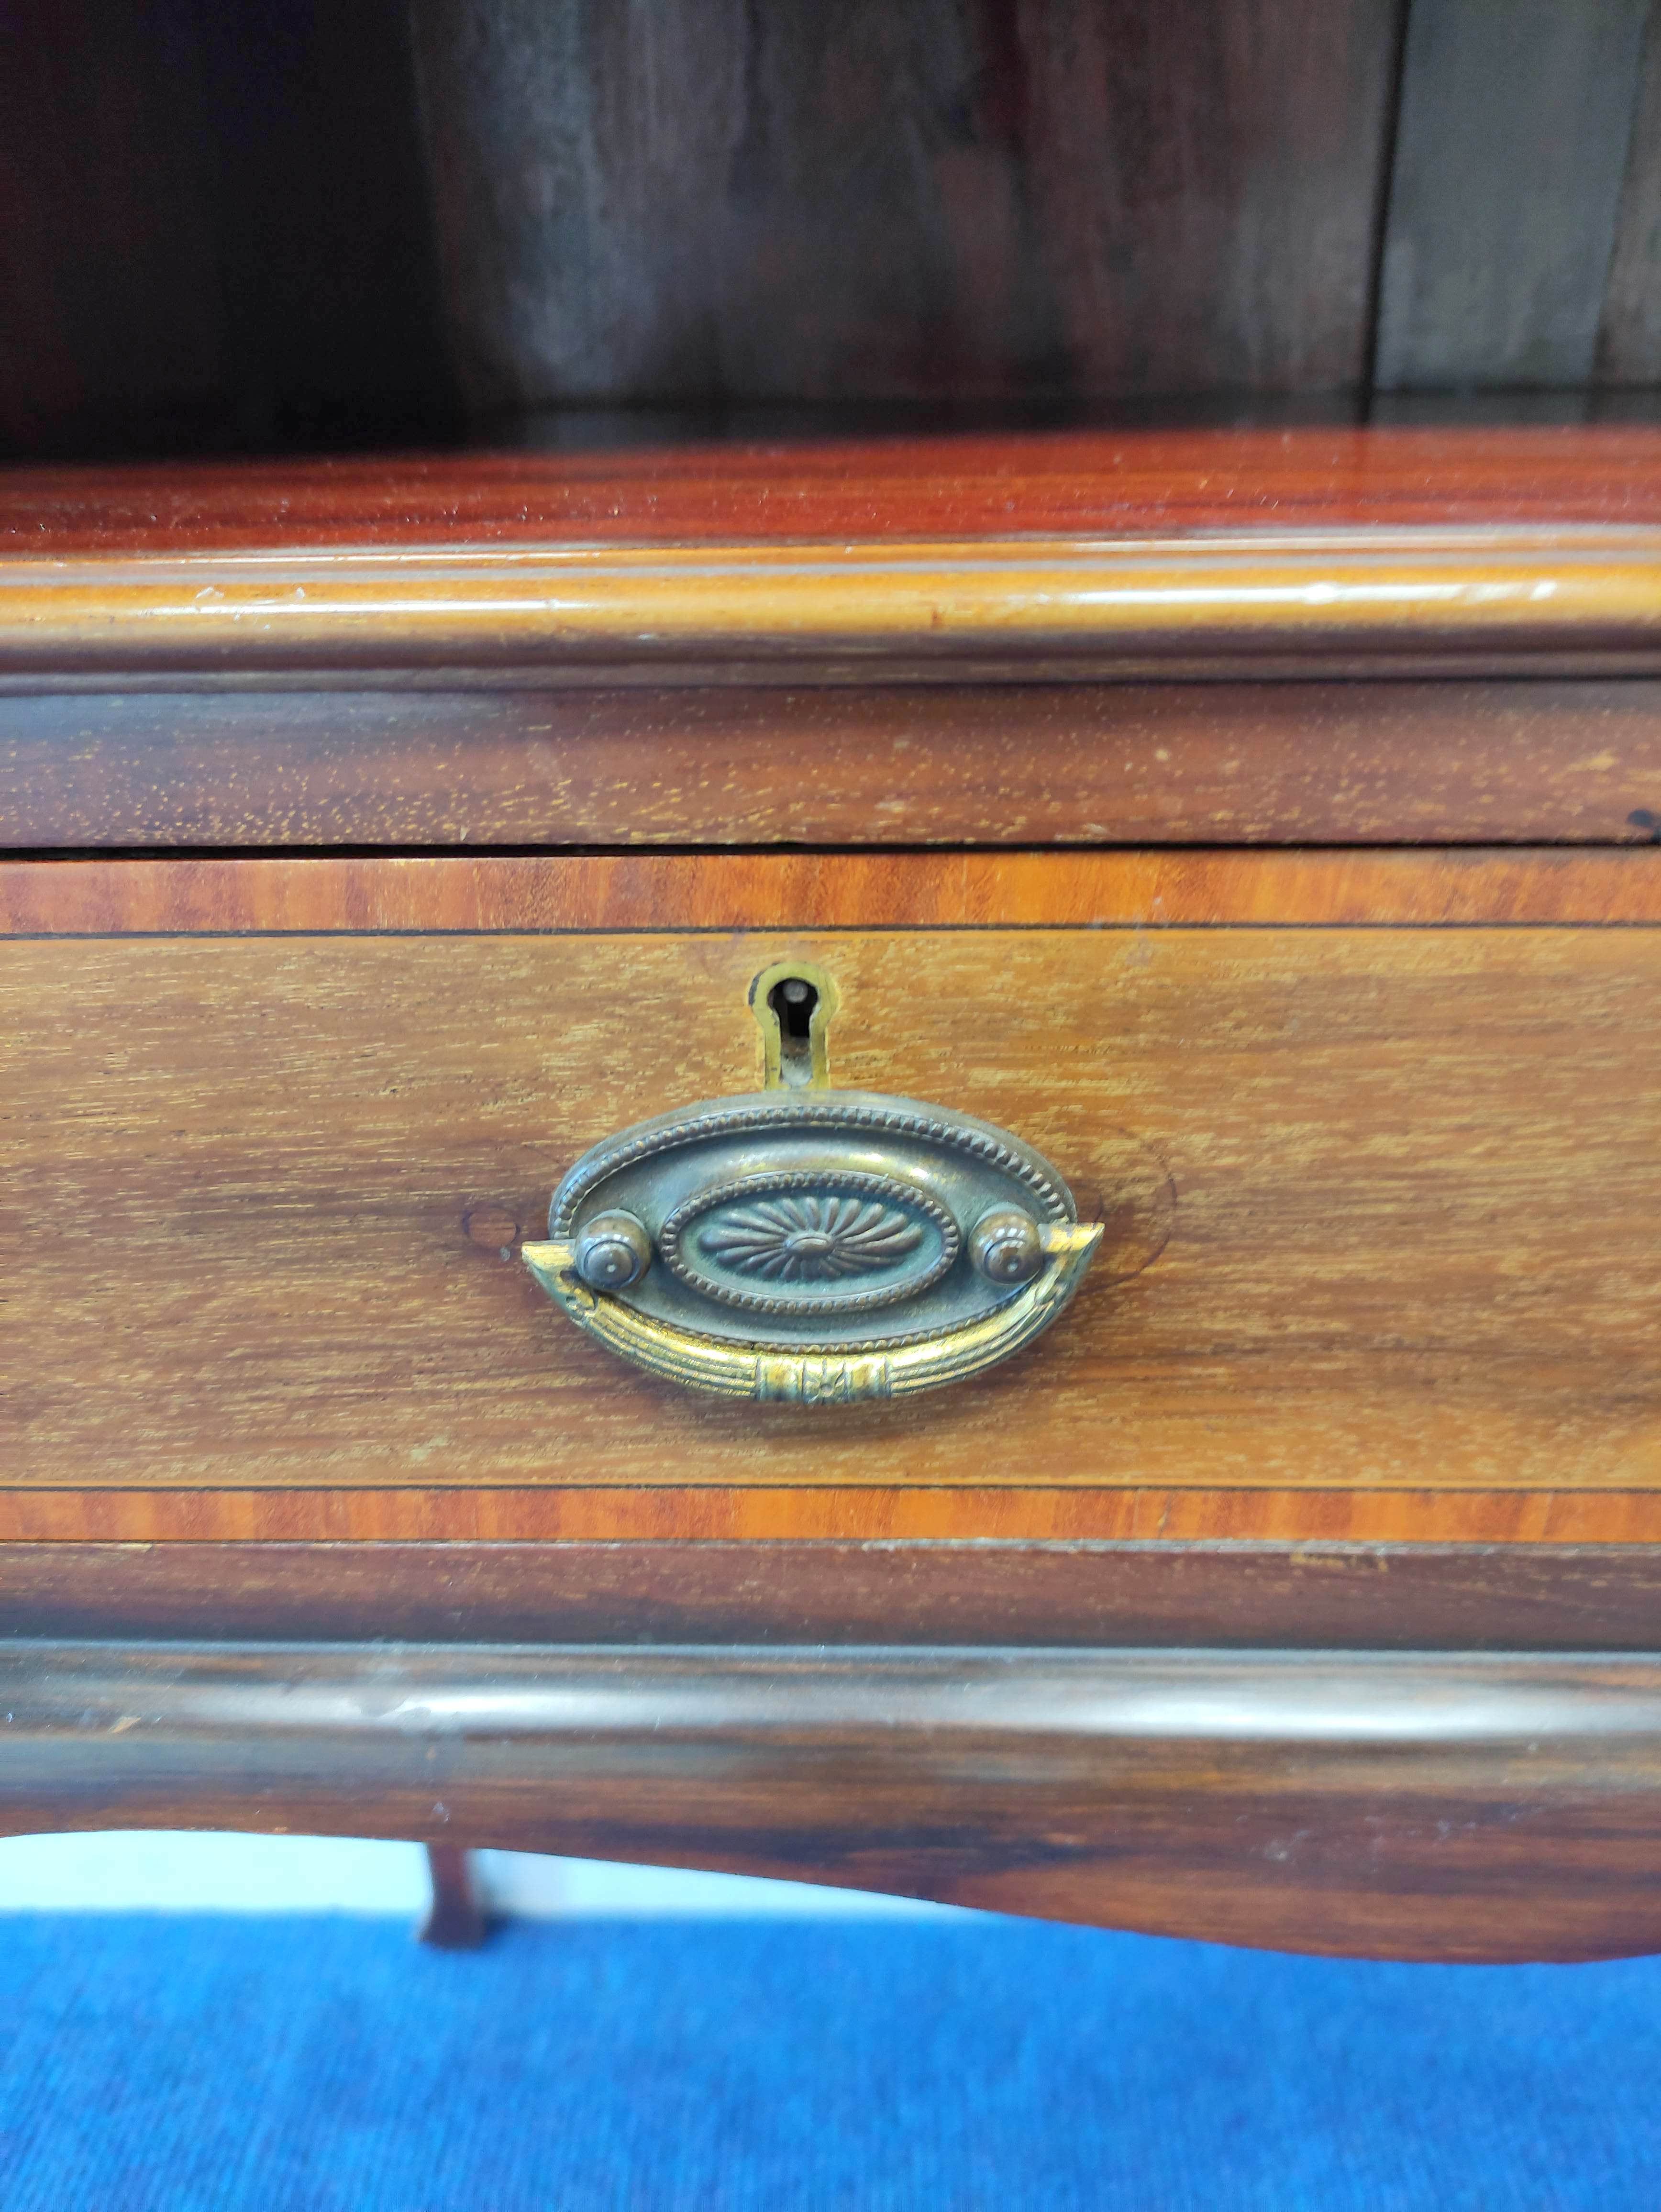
x: 991, y: 559
x: 1494, y: 1807
x: 599, y: 893
x: 1351, y: 1596
x: 1499, y: 601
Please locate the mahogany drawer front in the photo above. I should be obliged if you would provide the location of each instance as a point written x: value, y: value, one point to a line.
x: 1380, y: 1197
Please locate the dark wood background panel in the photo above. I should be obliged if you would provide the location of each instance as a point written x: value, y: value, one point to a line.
x: 713, y: 202
x: 1468, y: 1807
x: 1629, y: 334
x: 108, y: 252
x: 1378, y: 1204
x: 214, y: 228
x: 1527, y: 1597
x: 838, y: 765
x: 1510, y: 154
x: 248, y: 228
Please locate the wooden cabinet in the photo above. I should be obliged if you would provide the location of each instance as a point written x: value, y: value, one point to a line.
x: 1261, y: 827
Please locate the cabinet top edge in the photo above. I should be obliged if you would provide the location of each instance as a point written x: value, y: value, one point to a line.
x: 1128, y: 483
x: 1042, y: 556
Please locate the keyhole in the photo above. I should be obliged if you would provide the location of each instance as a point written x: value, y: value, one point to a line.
x: 793, y: 1001
x: 793, y: 1004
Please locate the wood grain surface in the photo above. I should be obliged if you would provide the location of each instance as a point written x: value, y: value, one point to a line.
x: 1310, y: 1596
x: 863, y: 1513
x: 901, y: 201
x: 1118, y: 483
x: 688, y: 892
x: 837, y: 764
x: 1428, y: 1806
x: 1378, y: 1204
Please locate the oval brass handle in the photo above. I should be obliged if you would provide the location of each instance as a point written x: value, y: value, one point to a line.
x: 813, y: 1245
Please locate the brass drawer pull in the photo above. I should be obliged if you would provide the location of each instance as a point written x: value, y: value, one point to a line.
x: 813, y: 1245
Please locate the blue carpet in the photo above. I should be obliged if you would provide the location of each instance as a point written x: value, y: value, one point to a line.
x: 154, y: 2064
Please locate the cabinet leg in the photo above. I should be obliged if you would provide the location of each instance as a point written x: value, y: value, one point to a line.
x: 455, y: 1920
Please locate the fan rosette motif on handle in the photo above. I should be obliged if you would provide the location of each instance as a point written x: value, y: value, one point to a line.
x: 821, y: 1240
x: 811, y: 1239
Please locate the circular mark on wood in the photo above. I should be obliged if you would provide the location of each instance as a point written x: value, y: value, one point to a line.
x: 1121, y: 1180
x: 493, y: 1226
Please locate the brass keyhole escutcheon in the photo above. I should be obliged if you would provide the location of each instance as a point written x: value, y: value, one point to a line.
x: 795, y: 1002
